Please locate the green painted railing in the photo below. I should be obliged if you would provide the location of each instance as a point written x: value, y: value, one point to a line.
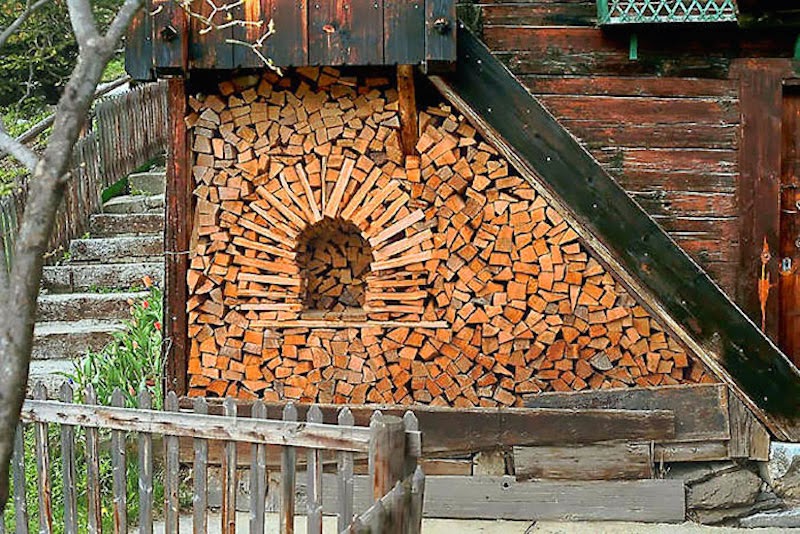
x: 610, y: 12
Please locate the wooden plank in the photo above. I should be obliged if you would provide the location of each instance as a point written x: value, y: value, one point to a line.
x: 691, y: 306
x: 45, y: 489
x: 701, y: 411
x: 258, y: 476
x: 171, y: 473
x: 314, y: 484
x: 200, y: 476
x: 139, y: 45
x: 229, y: 483
x: 289, y: 45
x: 414, y: 521
x: 170, y: 41
x: 692, y: 451
x: 288, y: 477
x: 354, y: 439
x: 455, y: 430
x: 95, y: 519
x: 209, y: 49
x: 759, y: 186
x: 493, y: 498
x: 606, y: 461
x: 407, y: 101
x: 176, y: 240
x: 144, y: 402
x: 18, y: 475
x: 403, y: 26
x: 344, y: 477
x: 440, y: 34
x: 346, y: 32
x: 66, y: 395
x: 119, y: 472
x: 749, y: 439
x: 789, y: 252
x: 253, y: 11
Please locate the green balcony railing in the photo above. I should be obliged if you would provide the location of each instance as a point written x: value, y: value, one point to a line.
x: 611, y: 12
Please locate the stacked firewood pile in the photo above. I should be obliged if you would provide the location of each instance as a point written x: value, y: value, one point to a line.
x: 464, y: 287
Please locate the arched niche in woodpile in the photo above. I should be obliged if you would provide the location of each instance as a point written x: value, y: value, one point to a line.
x: 334, y: 261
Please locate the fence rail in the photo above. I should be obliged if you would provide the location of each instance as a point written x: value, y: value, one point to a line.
x: 393, y: 446
x: 128, y: 130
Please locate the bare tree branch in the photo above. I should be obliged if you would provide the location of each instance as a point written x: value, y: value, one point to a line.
x: 7, y: 32
x: 46, y: 190
x: 18, y: 151
x: 83, y: 23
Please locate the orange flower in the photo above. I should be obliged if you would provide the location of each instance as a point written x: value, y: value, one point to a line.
x: 148, y: 282
x: 158, y: 326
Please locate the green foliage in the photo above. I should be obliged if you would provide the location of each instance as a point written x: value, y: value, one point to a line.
x: 132, y: 361
x: 38, y: 58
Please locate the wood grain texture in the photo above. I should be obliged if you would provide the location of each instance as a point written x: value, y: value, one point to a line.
x: 760, y: 374
x: 617, y: 461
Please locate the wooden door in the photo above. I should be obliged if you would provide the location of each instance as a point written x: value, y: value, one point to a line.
x: 789, y: 253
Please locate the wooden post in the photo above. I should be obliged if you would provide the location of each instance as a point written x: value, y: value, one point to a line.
x: 407, y: 101
x: 386, y: 453
x: 93, y: 470
x: 18, y: 467
x: 229, y: 485
x: 144, y: 402
x: 345, y: 476
x: 43, y: 468
x: 200, y: 482
x: 177, y: 231
x: 68, y: 466
x: 314, y: 484
x: 171, y: 476
x: 258, y: 476
x: 288, y: 477
x: 119, y: 472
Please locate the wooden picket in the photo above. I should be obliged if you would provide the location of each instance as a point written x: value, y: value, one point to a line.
x: 393, y: 446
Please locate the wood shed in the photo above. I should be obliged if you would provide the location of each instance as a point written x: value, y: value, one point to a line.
x: 561, y: 232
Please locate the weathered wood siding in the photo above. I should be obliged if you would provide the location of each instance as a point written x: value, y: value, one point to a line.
x: 666, y: 126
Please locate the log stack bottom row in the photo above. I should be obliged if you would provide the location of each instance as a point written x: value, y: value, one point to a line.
x: 328, y: 266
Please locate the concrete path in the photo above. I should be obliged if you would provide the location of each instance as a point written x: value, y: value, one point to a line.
x: 448, y: 526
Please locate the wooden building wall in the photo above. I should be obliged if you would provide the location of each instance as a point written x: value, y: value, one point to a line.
x: 668, y: 126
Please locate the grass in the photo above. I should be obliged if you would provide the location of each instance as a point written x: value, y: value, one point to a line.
x: 131, y: 362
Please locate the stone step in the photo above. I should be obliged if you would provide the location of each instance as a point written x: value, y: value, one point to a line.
x: 111, y: 224
x: 153, y: 183
x: 59, y: 340
x: 50, y: 373
x: 77, y: 306
x: 116, y: 249
x: 134, y: 204
x: 70, y: 278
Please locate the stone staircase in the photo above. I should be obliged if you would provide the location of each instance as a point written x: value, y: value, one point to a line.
x: 85, y: 298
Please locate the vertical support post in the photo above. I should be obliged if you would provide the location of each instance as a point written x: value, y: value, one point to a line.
x: 414, y: 520
x: 119, y: 472
x: 20, y: 502
x: 387, y: 446
x: 229, y: 461
x: 145, y: 471
x: 171, y: 476
x: 66, y: 395
x: 200, y: 478
x: 407, y: 102
x: 43, y: 468
x: 314, y: 484
x: 345, y: 476
x: 258, y: 476
x: 288, y: 477
x: 177, y: 231
x: 93, y: 470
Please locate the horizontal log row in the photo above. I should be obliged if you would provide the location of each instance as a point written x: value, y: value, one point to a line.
x: 307, y: 210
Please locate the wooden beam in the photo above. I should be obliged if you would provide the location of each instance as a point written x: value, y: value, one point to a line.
x: 177, y: 234
x: 407, y: 100
x: 451, y: 431
x: 604, y: 461
x: 701, y: 412
x: 460, y: 497
x: 680, y: 294
x: 749, y: 439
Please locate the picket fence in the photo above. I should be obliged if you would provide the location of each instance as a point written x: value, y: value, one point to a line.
x: 393, y: 446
